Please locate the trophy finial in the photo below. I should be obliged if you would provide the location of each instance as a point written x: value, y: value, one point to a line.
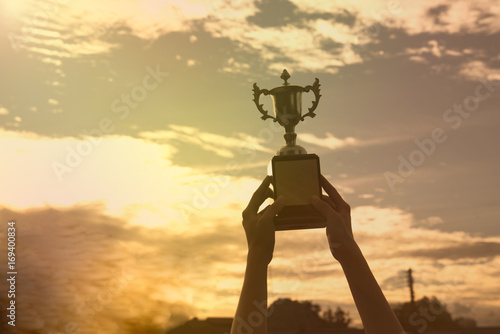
x: 285, y: 76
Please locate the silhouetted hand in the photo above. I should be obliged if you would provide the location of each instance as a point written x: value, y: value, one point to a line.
x: 259, y: 227
x: 338, y: 215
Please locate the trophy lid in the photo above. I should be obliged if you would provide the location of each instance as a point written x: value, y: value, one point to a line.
x: 285, y: 76
x: 286, y: 87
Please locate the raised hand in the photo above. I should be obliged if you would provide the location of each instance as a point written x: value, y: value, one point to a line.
x: 338, y: 215
x: 259, y: 226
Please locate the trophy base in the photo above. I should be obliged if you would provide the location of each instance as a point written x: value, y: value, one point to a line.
x: 298, y: 217
x: 291, y: 150
x: 297, y: 178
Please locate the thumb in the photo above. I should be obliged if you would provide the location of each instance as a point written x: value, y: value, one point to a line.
x: 273, y: 209
x: 321, y: 206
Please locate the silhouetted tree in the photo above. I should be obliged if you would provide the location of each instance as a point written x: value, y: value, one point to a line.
x: 464, y: 322
x: 337, y: 319
x: 428, y: 313
x: 328, y: 316
x: 288, y: 314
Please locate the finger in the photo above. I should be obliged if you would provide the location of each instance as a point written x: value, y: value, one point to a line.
x: 258, y: 197
x: 269, y: 193
x: 322, y: 206
x: 273, y: 209
x: 332, y: 193
x: 261, y: 212
x: 329, y: 201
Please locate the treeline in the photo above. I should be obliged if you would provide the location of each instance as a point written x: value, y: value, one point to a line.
x: 286, y: 314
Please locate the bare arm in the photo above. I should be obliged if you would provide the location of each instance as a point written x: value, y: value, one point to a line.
x: 374, y: 310
x: 249, y: 317
x: 251, y: 313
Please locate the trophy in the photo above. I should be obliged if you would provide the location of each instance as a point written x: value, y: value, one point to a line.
x: 295, y: 174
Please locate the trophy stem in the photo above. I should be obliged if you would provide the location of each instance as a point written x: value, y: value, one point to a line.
x: 291, y: 147
x: 290, y: 138
x: 290, y: 135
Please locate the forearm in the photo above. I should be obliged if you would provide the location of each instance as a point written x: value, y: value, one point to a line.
x: 375, y: 312
x: 251, y: 314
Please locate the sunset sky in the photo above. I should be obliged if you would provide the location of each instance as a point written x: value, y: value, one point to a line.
x: 130, y: 144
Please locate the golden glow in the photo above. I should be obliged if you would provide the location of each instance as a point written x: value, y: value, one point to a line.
x: 151, y: 211
x: 15, y: 8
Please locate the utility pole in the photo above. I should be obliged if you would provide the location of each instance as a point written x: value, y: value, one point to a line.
x: 410, y: 285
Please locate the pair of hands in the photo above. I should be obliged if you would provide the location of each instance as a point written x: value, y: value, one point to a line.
x: 259, y: 226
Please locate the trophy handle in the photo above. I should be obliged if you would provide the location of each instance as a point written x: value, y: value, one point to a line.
x: 316, y: 90
x: 256, y: 95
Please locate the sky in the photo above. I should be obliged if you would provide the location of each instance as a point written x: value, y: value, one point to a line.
x: 130, y: 145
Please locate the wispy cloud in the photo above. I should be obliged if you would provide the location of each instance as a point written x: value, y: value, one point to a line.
x: 223, y: 146
x: 80, y: 272
x: 332, y: 142
x: 473, y: 70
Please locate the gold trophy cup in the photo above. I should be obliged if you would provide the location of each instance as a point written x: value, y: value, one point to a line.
x: 295, y: 173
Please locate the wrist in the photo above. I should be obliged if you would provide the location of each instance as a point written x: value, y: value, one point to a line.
x: 346, y: 251
x: 257, y: 259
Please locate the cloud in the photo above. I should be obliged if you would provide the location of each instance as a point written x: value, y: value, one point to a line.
x: 473, y: 70
x: 75, y: 274
x: 414, y: 239
x: 436, y: 12
x: 223, y: 146
x: 462, y: 251
x: 275, y: 43
x: 178, y: 270
x: 430, y: 221
x: 324, y: 38
x: 333, y: 143
x: 168, y: 214
x: 100, y: 272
